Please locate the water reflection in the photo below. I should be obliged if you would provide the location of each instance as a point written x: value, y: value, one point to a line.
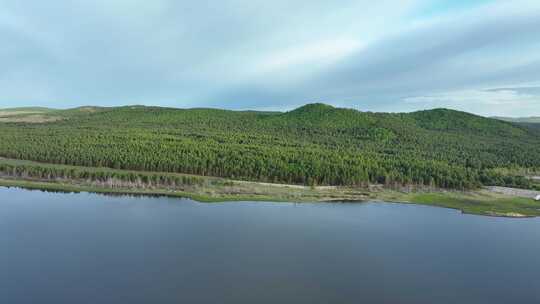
x: 73, y: 248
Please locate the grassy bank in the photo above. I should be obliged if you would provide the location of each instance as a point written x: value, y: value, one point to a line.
x: 480, y: 202
x: 29, y: 174
x: 210, y: 189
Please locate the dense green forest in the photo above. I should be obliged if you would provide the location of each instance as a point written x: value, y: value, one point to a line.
x: 315, y: 145
x: 104, y: 176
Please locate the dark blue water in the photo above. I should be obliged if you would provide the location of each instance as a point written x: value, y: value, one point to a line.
x: 86, y: 248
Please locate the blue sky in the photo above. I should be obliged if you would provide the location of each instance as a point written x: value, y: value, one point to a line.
x: 406, y: 55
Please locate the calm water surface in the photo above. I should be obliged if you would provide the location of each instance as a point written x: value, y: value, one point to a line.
x: 86, y: 248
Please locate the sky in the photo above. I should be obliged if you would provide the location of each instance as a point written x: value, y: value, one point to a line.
x: 394, y: 56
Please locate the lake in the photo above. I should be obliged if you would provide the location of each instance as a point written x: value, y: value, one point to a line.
x: 88, y: 248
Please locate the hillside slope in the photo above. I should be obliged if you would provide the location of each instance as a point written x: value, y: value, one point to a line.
x: 314, y: 144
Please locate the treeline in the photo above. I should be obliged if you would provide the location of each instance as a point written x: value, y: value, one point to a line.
x: 313, y: 145
x: 103, y: 177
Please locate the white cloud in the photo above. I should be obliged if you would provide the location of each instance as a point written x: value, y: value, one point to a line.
x: 319, y: 53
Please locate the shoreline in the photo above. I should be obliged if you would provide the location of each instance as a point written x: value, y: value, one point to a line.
x: 478, y: 202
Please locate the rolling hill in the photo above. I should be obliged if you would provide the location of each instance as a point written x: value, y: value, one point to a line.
x: 316, y: 144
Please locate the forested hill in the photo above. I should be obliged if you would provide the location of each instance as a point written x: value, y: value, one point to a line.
x: 314, y: 144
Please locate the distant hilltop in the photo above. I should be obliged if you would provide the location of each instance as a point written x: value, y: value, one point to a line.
x: 310, y: 114
x: 519, y: 119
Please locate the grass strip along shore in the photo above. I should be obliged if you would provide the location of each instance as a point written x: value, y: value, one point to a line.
x: 66, y: 178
